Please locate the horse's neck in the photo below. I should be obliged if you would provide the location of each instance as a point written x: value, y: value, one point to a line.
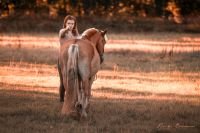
x: 94, y: 40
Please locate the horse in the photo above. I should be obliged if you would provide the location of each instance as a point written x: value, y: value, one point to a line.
x: 79, y: 61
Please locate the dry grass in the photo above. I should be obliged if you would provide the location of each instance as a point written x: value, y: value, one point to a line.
x: 137, y: 90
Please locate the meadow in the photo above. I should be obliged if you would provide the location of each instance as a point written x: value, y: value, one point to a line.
x: 148, y: 83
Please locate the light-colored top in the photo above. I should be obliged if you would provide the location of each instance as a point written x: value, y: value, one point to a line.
x: 64, y: 35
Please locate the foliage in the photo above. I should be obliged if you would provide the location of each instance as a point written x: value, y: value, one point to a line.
x: 174, y: 9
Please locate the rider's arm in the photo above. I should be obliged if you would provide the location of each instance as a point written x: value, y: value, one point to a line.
x: 62, y: 33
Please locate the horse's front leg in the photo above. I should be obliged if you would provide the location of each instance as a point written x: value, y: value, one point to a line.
x: 90, y: 84
x: 87, y: 104
x: 78, y: 104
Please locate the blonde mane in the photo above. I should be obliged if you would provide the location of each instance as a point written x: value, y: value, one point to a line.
x: 88, y: 33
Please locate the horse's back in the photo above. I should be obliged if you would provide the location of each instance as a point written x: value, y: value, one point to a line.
x: 66, y: 44
x: 85, y: 47
x: 86, y: 50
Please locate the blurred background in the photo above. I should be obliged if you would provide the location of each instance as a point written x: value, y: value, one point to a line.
x: 148, y: 83
x: 118, y: 16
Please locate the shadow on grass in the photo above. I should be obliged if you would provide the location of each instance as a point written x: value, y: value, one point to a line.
x: 30, y: 111
x: 131, y: 61
x: 30, y: 55
x: 140, y: 61
x: 143, y: 93
x: 140, y: 78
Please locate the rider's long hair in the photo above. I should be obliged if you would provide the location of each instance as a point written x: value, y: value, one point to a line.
x: 75, y: 29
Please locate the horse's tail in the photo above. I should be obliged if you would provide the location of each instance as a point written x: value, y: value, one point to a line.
x: 72, y: 67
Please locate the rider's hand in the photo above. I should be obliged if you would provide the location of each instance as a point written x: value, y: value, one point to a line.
x: 67, y: 27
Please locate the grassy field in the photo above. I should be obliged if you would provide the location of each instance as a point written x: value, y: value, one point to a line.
x: 149, y: 83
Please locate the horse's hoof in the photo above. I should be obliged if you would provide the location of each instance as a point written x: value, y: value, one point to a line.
x: 84, y: 115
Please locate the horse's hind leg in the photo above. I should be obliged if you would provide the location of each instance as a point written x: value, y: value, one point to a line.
x: 84, y: 72
x: 61, y: 88
x: 78, y: 104
x: 85, y: 96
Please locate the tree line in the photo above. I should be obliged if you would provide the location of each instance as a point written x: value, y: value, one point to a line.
x: 108, y: 8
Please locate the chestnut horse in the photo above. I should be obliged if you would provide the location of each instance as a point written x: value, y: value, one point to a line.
x: 79, y: 61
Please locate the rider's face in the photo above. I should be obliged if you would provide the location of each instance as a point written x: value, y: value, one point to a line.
x: 70, y: 24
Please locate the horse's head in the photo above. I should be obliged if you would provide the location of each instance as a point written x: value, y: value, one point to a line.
x: 98, y: 38
x: 101, y: 44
